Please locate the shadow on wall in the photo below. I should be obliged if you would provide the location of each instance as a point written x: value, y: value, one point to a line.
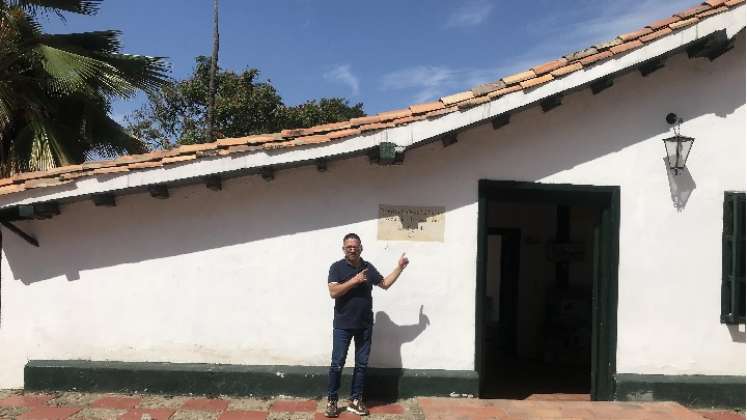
x: 248, y: 210
x: 386, y: 353
x: 681, y: 186
x: 737, y: 333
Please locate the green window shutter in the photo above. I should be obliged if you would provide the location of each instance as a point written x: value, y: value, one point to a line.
x: 733, y: 259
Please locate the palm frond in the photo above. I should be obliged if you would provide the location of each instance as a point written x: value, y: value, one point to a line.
x: 90, y: 63
x: 108, y: 138
x: 84, y: 43
x: 82, y: 7
x: 71, y: 72
x: 144, y: 72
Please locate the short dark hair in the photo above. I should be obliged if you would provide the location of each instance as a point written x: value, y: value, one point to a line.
x: 351, y: 236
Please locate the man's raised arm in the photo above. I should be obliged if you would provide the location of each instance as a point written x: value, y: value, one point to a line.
x: 389, y: 280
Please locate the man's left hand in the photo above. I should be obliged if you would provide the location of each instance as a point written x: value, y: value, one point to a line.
x: 403, y: 261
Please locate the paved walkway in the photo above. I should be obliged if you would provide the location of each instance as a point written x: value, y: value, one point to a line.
x: 15, y: 404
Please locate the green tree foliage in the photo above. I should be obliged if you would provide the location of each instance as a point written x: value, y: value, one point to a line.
x: 56, y: 90
x: 244, y: 105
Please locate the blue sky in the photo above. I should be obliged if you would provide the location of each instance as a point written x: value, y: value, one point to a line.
x: 387, y: 54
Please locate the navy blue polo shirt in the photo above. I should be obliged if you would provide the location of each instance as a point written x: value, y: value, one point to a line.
x: 354, y: 309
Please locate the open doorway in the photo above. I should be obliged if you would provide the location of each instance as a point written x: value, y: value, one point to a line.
x: 546, y: 295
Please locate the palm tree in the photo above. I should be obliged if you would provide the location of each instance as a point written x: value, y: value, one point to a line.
x: 56, y: 90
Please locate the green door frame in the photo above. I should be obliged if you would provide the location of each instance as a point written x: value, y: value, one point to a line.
x: 604, y: 328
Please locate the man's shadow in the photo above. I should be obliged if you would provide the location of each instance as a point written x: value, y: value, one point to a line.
x: 384, y: 378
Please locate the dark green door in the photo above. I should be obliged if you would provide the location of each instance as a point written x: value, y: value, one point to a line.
x: 603, y: 302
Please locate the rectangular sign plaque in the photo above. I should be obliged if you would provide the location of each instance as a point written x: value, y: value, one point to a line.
x: 410, y: 223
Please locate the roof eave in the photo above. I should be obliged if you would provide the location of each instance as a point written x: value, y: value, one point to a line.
x: 406, y: 136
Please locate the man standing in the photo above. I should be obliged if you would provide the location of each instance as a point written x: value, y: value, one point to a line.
x: 350, y: 283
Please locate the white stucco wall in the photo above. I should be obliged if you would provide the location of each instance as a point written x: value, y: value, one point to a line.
x: 238, y: 276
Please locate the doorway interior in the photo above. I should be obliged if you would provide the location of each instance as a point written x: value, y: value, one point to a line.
x: 547, y: 290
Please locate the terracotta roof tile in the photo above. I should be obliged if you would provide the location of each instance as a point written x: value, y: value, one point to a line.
x: 693, y: 11
x: 10, y: 189
x: 145, y: 157
x: 364, y: 120
x: 189, y: 148
x: 457, y: 97
x: 526, y: 84
x: 596, y: 57
x: 683, y: 23
x: 231, y: 142
x: 98, y: 164
x: 658, y: 34
x: 470, y: 103
x: 423, y: 108
x: 581, y: 54
x: 712, y: 12
x: 518, y: 77
x: 567, y: 69
x: 438, y: 113
x: 299, y: 141
x: 377, y: 126
x: 207, y: 153
x: 635, y: 35
x: 45, y: 182
x: 74, y: 175
x: 607, y: 45
x: 175, y: 159
x: 504, y: 91
x: 110, y: 170
x: 280, y: 144
x: 549, y: 66
x: 715, y: 3
x: 143, y: 165
x: 626, y: 47
x: 66, y: 169
x: 663, y: 22
x: 485, y: 88
x: 344, y: 133
x: 296, y: 132
x: 23, y: 176
x: 332, y: 126
x: 732, y: 3
x: 392, y: 115
x: 315, y: 139
x: 242, y: 148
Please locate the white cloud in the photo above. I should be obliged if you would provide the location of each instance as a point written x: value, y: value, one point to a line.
x: 431, y: 82
x: 342, y: 74
x: 596, y: 21
x: 469, y: 14
x: 591, y: 22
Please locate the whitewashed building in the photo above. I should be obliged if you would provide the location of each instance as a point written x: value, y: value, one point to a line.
x: 552, y: 248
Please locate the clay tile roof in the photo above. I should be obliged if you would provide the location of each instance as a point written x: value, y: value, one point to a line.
x: 663, y: 22
x: 535, y: 76
x: 549, y: 66
x: 518, y: 77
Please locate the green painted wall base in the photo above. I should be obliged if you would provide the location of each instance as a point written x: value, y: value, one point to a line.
x: 690, y: 390
x: 210, y: 379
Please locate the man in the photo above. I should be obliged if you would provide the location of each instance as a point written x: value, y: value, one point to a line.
x: 350, y: 282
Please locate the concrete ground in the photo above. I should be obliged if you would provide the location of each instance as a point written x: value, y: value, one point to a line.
x: 17, y: 404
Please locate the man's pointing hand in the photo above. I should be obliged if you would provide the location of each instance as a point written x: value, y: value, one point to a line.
x: 403, y: 261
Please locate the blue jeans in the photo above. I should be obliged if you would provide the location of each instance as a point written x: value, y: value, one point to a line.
x: 340, y: 344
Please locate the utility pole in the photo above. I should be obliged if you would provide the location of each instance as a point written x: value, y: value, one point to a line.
x: 210, y: 134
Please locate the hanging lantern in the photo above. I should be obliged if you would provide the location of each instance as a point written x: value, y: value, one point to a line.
x: 677, y: 147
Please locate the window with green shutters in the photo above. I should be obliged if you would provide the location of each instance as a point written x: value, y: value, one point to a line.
x: 733, y: 259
